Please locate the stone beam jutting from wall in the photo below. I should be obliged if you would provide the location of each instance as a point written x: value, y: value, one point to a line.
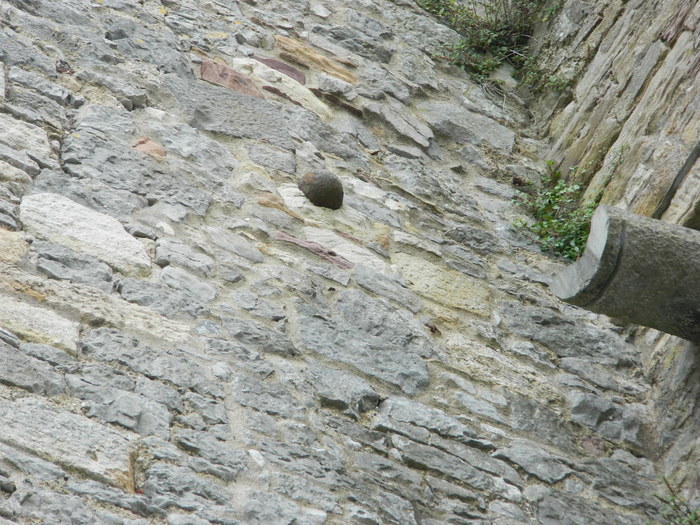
x: 638, y: 270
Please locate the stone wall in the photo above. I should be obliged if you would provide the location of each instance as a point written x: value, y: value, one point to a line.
x: 631, y: 124
x: 186, y: 339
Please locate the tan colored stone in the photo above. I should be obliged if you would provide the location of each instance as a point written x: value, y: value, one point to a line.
x: 12, y: 246
x: 90, y: 305
x: 444, y: 286
x: 9, y: 173
x: 38, y: 325
x: 310, y: 58
x: 147, y: 146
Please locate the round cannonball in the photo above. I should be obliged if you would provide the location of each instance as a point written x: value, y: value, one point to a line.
x: 322, y: 188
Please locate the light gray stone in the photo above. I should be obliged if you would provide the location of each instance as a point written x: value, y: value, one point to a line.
x: 184, y: 281
x: 33, y: 375
x: 535, y: 460
x: 72, y: 440
x: 62, y: 221
x: 462, y: 125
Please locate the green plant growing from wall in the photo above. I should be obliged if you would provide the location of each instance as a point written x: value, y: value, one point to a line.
x: 676, y: 510
x: 561, y: 223
x: 494, y: 32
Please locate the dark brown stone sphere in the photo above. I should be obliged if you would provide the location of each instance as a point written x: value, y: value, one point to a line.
x: 322, y: 188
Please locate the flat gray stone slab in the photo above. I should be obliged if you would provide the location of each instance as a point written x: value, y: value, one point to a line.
x: 67, y: 439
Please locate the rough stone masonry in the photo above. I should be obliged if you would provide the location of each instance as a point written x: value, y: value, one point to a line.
x: 186, y: 339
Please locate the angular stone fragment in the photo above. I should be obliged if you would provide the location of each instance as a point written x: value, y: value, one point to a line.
x: 388, y: 287
x: 62, y: 221
x: 68, y: 439
x: 9, y: 173
x: 58, y: 262
x: 12, y: 246
x: 38, y: 324
x: 147, y: 146
x: 337, y: 389
x: 403, y: 123
x: 316, y: 248
x: 22, y: 136
x: 345, y: 248
x: 444, y: 286
x: 461, y: 125
x: 535, y: 460
x: 266, y: 77
x: 186, y: 282
x: 39, y: 377
x: 323, y: 189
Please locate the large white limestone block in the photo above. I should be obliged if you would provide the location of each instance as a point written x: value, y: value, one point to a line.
x: 60, y: 220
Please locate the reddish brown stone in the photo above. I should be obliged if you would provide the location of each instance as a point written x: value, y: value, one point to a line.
x: 336, y: 101
x: 281, y: 94
x: 227, y: 77
x: 316, y: 248
x: 283, y: 67
x: 147, y: 146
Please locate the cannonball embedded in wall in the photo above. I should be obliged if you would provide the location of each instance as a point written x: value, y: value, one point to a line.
x: 322, y: 188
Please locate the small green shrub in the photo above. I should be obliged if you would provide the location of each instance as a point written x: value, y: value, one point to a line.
x: 494, y: 32
x: 676, y: 510
x: 561, y: 223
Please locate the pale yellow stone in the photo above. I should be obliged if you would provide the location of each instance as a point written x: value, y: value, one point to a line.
x: 444, y: 286
x: 12, y: 246
x: 90, y: 305
x: 310, y: 58
x: 36, y: 324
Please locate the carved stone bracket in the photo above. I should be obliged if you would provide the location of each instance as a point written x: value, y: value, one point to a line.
x: 638, y: 270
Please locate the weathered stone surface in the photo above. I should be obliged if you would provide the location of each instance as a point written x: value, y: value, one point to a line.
x: 447, y: 287
x: 387, y: 287
x: 536, y: 461
x: 59, y: 262
x: 24, y: 137
x: 279, y: 83
x: 229, y: 78
x: 17, y: 369
x: 375, y: 352
x: 343, y: 391
x: 310, y: 58
x: 567, y: 338
x: 62, y: 221
x: 38, y: 324
x: 462, y: 125
x: 69, y: 439
x: 611, y: 420
x: 186, y: 282
x: 622, y: 244
x: 254, y: 385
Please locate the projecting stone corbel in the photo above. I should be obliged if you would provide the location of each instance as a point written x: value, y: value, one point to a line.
x: 638, y: 270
